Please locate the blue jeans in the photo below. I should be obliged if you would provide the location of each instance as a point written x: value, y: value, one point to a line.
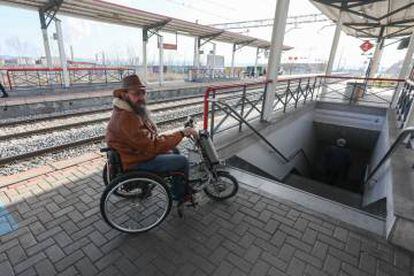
x: 166, y: 163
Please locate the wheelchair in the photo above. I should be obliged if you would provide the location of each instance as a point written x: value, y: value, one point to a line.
x: 137, y: 201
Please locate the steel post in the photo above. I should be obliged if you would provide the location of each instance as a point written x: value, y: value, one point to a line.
x: 196, y: 58
x: 404, y: 68
x: 332, y: 53
x: 214, y: 61
x: 45, y: 39
x: 276, y: 47
x: 232, y: 59
x: 334, y: 46
x: 255, y: 62
x: 376, y: 58
x: 62, y: 54
x: 144, y: 54
x: 161, y: 60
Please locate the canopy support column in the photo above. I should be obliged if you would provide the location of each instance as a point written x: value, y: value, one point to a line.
x: 255, y: 62
x: 405, y: 67
x: 232, y: 59
x: 332, y: 53
x: 46, y: 43
x: 214, y: 61
x: 276, y: 48
x: 161, y: 60
x: 144, y: 54
x: 334, y: 46
x: 62, y: 54
x: 375, y: 61
x: 376, y: 58
x: 196, y: 58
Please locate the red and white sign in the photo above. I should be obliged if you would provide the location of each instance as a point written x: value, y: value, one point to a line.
x: 366, y: 46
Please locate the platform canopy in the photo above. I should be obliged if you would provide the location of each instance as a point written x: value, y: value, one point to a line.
x: 103, y: 11
x: 371, y: 18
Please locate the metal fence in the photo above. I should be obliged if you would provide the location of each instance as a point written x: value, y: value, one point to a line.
x: 358, y: 90
x: 228, y: 106
x: 208, y: 75
x: 23, y: 78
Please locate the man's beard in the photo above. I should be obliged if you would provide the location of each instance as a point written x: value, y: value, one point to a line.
x: 140, y: 109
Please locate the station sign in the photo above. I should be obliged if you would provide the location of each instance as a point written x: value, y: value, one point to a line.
x: 169, y: 46
x: 366, y: 46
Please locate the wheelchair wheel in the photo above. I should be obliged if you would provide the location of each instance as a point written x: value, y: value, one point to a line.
x: 124, y: 191
x: 223, y: 187
x: 140, y: 211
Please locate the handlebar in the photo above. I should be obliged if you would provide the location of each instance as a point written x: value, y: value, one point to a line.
x: 189, y: 122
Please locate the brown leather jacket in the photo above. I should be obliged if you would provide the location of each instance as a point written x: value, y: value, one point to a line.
x: 134, y: 138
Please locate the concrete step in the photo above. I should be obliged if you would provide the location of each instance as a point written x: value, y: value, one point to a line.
x: 324, y: 190
x: 280, y: 191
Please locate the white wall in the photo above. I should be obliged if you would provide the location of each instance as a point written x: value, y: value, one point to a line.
x: 375, y: 191
x: 290, y: 137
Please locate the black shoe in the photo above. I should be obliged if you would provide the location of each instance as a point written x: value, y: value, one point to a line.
x: 4, y: 96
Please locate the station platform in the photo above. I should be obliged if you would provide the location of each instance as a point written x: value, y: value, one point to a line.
x: 50, y: 224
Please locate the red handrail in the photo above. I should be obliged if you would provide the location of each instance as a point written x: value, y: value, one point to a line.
x: 214, y: 88
x: 59, y: 69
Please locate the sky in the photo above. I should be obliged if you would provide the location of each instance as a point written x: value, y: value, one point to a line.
x: 21, y: 34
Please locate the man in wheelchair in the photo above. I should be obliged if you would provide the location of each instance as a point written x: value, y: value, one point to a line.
x: 133, y: 134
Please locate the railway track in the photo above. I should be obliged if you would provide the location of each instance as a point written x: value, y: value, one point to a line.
x: 81, y: 142
x: 80, y: 122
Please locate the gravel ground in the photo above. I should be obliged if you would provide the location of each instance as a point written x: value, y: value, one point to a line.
x: 19, y: 146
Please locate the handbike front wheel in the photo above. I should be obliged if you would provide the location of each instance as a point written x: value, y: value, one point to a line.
x: 146, y: 209
x: 224, y: 186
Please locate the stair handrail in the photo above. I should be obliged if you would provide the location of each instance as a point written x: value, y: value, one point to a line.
x: 285, y: 159
x: 403, y: 134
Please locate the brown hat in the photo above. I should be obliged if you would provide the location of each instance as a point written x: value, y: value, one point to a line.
x: 129, y: 82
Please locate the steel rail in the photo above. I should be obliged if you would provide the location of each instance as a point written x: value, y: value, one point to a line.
x: 81, y: 123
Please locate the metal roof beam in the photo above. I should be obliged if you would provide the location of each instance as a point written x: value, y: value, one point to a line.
x: 396, y: 11
x: 154, y: 28
x: 397, y: 32
x: 330, y: 4
x: 242, y: 44
x: 208, y: 38
x: 48, y: 12
x: 362, y: 3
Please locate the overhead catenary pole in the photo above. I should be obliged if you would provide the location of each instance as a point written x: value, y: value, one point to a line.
x: 407, y: 63
x: 255, y: 62
x: 45, y: 39
x: 62, y: 54
x: 144, y: 54
x: 161, y: 60
x: 276, y: 47
x: 232, y: 59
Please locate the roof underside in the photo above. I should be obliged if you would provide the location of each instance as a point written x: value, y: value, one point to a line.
x: 99, y: 10
x: 371, y: 18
